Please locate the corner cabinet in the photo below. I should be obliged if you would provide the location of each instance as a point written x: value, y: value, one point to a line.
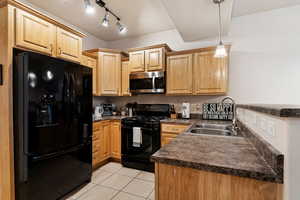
x: 180, y: 74
x: 109, y: 74
x: 69, y: 46
x: 197, y: 72
x: 35, y: 33
x: 152, y: 58
x: 106, y: 141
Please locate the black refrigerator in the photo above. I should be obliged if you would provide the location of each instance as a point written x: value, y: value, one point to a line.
x: 52, y: 126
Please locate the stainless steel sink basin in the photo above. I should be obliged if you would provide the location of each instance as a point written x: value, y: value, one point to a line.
x: 207, y: 131
x: 213, y: 129
x: 214, y: 126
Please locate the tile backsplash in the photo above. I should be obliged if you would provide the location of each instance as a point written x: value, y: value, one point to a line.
x: 196, y: 101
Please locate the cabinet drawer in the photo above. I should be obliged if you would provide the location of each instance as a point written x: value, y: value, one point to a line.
x: 96, y: 145
x: 170, y: 128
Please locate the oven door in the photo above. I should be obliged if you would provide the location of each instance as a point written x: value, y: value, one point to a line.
x: 150, y: 142
x: 147, y: 83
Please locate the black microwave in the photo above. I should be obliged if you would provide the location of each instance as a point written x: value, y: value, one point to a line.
x: 147, y: 83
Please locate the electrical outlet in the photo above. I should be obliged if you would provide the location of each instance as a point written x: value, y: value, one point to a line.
x: 271, y: 128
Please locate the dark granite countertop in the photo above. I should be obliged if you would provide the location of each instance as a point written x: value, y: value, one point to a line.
x: 278, y: 110
x: 117, y: 117
x: 221, y: 154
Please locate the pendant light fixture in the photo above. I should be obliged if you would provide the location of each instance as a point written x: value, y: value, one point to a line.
x: 221, y: 51
x: 89, y: 9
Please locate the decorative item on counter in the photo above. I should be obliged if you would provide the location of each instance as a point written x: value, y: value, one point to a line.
x: 217, y: 111
x: 173, y: 113
x: 186, y: 110
x: 123, y: 111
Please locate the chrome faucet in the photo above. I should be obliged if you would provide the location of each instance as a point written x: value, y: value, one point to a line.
x: 234, y: 110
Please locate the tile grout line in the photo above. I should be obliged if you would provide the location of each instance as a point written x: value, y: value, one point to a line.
x: 121, y: 190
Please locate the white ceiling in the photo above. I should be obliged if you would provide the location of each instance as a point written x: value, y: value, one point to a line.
x: 140, y: 16
x: 198, y: 19
x: 194, y: 19
x: 245, y: 7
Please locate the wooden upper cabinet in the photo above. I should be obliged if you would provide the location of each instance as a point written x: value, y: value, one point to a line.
x: 151, y: 58
x: 35, y: 33
x: 125, y: 78
x: 155, y: 59
x: 210, y: 73
x: 69, y: 45
x: 180, y: 74
x: 92, y: 63
x: 116, y: 139
x: 109, y: 73
x: 137, y: 61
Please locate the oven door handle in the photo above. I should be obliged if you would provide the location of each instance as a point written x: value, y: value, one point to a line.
x: 143, y: 129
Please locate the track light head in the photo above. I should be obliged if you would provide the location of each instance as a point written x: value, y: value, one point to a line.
x: 105, y: 21
x: 121, y: 28
x: 89, y: 9
x: 100, y: 3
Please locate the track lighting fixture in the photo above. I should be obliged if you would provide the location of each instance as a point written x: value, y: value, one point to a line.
x: 121, y: 28
x: 89, y: 9
x: 105, y: 21
x: 221, y: 51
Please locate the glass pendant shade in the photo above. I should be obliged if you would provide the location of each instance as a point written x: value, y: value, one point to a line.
x: 221, y: 51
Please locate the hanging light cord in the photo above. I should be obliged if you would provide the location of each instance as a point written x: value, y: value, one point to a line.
x: 220, y: 23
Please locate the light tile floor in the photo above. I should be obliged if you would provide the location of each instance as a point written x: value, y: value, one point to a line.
x: 115, y: 182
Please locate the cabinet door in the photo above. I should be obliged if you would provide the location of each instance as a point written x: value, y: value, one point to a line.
x: 166, y: 138
x: 109, y: 73
x: 125, y: 79
x: 210, y: 73
x: 180, y: 74
x: 155, y: 59
x: 116, y: 140
x: 105, y: 141
x: 137, y: 61
x: 69, y: 46
x: 34, y: 33
x: 92, y: 63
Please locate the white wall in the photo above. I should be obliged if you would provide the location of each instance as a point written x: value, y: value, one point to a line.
x: 89, y: 42
x: 283, y: 134
x: 264, y: 66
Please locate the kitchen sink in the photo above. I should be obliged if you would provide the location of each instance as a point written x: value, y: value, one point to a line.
x: 213, y: 129
x: 214, y: 126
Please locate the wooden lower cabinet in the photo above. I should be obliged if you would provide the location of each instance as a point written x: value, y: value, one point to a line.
x: 179, y: 183
x: 170, y: 131
x: 106, y: 141
x: 166, y: 138
x: 116, y: 139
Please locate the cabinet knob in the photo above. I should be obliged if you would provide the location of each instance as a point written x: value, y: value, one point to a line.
x: 59, y: 51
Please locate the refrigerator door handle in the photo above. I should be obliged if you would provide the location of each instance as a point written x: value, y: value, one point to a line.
x: 85, y: 131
